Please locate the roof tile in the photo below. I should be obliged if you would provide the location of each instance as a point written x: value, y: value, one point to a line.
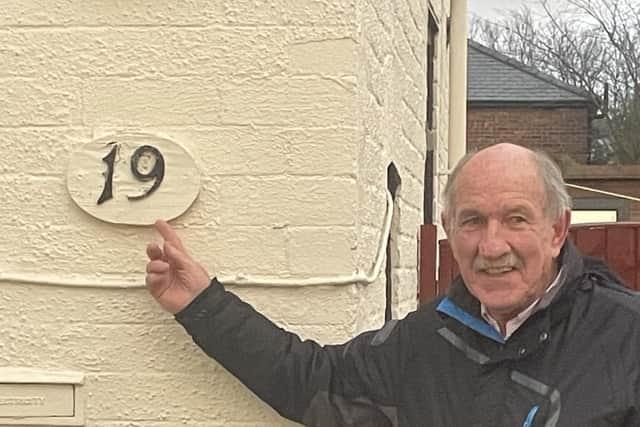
x: 493, y: 77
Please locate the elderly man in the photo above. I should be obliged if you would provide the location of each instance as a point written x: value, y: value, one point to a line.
x: 531, y: 334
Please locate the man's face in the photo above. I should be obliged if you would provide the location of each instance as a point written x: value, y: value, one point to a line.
x: 503, y: 240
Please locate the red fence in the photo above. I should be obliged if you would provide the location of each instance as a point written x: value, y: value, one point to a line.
x: 617, y: 243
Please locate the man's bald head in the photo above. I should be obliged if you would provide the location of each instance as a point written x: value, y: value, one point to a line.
x: 503, y: 161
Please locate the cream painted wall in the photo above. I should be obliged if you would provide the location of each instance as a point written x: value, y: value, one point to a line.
x: 292, y: 111
x: 392, y: 96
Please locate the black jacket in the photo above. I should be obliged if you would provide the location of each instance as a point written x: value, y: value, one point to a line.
x: 574, y: 363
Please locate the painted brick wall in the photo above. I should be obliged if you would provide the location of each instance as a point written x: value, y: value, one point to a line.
x: 263, y: 95
x: 292, y: 111
x: 392, y: 99
x: 555, y: 130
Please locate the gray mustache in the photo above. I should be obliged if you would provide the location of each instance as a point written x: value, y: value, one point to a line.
x: 510, y: 260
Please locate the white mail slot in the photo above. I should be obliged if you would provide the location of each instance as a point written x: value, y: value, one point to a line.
x: 37, y: 397
x: 36, y: 400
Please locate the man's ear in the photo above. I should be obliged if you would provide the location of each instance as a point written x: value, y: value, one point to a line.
x: 560, y: 232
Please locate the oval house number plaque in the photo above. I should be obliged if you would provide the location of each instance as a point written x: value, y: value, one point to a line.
x: 133, y: 179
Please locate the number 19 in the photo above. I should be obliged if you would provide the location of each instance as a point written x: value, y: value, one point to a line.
x: 143, y: 154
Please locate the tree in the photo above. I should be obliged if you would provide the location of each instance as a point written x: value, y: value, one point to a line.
x: 625, y: 127
x: 592, y: 44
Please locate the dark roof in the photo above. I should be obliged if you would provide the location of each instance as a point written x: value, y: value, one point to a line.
x: 493, y: 78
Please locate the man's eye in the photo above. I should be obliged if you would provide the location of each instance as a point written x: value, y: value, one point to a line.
x: 517, y: 219
x: 471, y: 221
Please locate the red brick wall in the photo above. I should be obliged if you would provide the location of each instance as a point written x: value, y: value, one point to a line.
x: 555, y: 130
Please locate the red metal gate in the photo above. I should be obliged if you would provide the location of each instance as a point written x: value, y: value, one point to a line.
x: 617, y: 243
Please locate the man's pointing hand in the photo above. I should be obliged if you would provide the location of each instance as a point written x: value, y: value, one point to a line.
x: 173, y: 277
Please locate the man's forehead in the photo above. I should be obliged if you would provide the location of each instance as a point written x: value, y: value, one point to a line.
x: 522, y: 206
x: 506, y: 188
x: 488, y: 182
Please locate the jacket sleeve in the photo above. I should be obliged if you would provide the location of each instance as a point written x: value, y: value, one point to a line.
x: 351, y: 384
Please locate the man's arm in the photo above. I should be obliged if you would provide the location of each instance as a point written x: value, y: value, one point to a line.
x: 350, y: 384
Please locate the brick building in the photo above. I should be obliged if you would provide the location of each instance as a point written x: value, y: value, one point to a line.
x: 508, y: 101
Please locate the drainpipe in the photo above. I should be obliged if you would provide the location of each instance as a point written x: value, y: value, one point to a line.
x: 457, y: 82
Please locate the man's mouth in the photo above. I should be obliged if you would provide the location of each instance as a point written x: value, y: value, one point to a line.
x: 497, y: 270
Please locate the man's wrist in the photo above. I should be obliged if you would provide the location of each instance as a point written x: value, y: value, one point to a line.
x: 214, y: 287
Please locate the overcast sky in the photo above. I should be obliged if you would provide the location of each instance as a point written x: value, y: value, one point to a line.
x: 491, y: 8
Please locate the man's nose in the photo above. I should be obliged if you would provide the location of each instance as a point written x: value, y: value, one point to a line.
x: 493, y: 244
